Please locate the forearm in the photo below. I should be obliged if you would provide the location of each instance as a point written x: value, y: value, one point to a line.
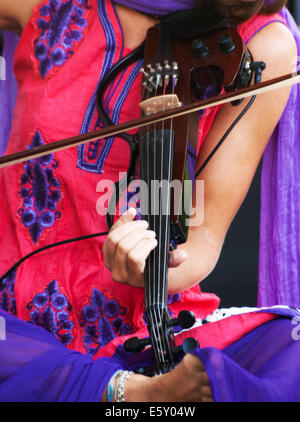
x: 203, y: 249
x: 228, y: 176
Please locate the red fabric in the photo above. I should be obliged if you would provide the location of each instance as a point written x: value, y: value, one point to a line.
x: 222, y: 333
x: 51, y: 106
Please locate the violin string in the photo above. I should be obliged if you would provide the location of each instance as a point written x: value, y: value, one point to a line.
x: 158, y: 178
x: 163, y: 252
x: 162, y: 243
x: 145, y: 155
x: 168, y: 207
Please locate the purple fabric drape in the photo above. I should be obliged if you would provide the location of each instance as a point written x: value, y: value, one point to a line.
x: 279, y: 261
x: 8, y: 89
x: 158, y: 8
x: 263, y: 366
x: 36, y: 367
x: 163, y: 7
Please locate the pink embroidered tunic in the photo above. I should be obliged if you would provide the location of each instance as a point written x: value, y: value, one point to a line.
x: 64, y: 51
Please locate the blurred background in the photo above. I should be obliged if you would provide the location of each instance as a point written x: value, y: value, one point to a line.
x: 235, y: 278
x: 294, y: 7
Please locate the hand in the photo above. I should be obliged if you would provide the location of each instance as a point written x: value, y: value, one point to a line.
x: 127, y: 247
x: 190, y: 375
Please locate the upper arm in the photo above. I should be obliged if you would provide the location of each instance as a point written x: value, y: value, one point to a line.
x: 228, y: 175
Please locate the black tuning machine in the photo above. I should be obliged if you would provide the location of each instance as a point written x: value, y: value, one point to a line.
x: 200, y: 49
x: 184, y: 321
x: 226, y: 44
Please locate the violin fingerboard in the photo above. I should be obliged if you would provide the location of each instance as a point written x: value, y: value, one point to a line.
x: 156, y: 163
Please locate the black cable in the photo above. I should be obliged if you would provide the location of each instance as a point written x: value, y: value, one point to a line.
x: 63, y: 242
x: 224, y: 137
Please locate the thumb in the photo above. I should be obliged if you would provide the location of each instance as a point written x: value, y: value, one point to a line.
x: 176, y: 257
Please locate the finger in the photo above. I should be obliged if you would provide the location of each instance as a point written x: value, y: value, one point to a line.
x: 177, y: 257
x: 207, y: 399
x: 114, y: 237
x: 206, y: 392
x: 136, y: 260
x: 131, y: 241
x: 128, y: 216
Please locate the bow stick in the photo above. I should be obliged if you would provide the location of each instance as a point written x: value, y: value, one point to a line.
x: 110, y: 131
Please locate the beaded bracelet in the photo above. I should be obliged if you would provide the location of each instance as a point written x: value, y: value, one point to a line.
x: 110, y: 387
x: 122, y: 377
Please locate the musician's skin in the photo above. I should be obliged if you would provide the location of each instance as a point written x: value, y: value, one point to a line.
x: 227, y: 180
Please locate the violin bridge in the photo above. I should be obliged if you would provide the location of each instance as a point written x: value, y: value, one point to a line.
x: 160, y: 103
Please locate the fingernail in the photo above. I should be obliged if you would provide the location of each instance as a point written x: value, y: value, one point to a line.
x: 131, y: 211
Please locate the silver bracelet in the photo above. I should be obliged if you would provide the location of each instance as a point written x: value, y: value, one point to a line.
x: 122, y: 377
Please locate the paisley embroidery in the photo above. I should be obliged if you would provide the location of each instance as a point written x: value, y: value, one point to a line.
x: 61, y: 24
x: 7, y: 293
x: 102, y: 320
x: 92, y: 157
x: 40, y: 192
x: 51, y: 310
x: 94, y: 162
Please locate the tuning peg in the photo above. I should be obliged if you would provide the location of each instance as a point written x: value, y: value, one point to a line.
x: 188, y: 345
x: 186, y: 319
x: 136, y: 345
x: 226, y: 44
x: 200, y: 49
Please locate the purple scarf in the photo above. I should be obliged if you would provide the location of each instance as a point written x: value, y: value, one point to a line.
x: 279, y: 281
x: 279, y: 263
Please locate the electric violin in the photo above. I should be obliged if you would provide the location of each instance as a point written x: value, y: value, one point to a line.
x: 189, y: 56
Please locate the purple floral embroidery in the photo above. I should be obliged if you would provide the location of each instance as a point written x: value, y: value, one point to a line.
x: 7, y: 293
x: 61, y: 24
x: 40, y: 192
x: 93, y: 147
x: 102, y: 320
x: 51, y: 310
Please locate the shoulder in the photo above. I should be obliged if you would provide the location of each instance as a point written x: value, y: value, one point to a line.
x: 15, y: 14
x: 275, y: 45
